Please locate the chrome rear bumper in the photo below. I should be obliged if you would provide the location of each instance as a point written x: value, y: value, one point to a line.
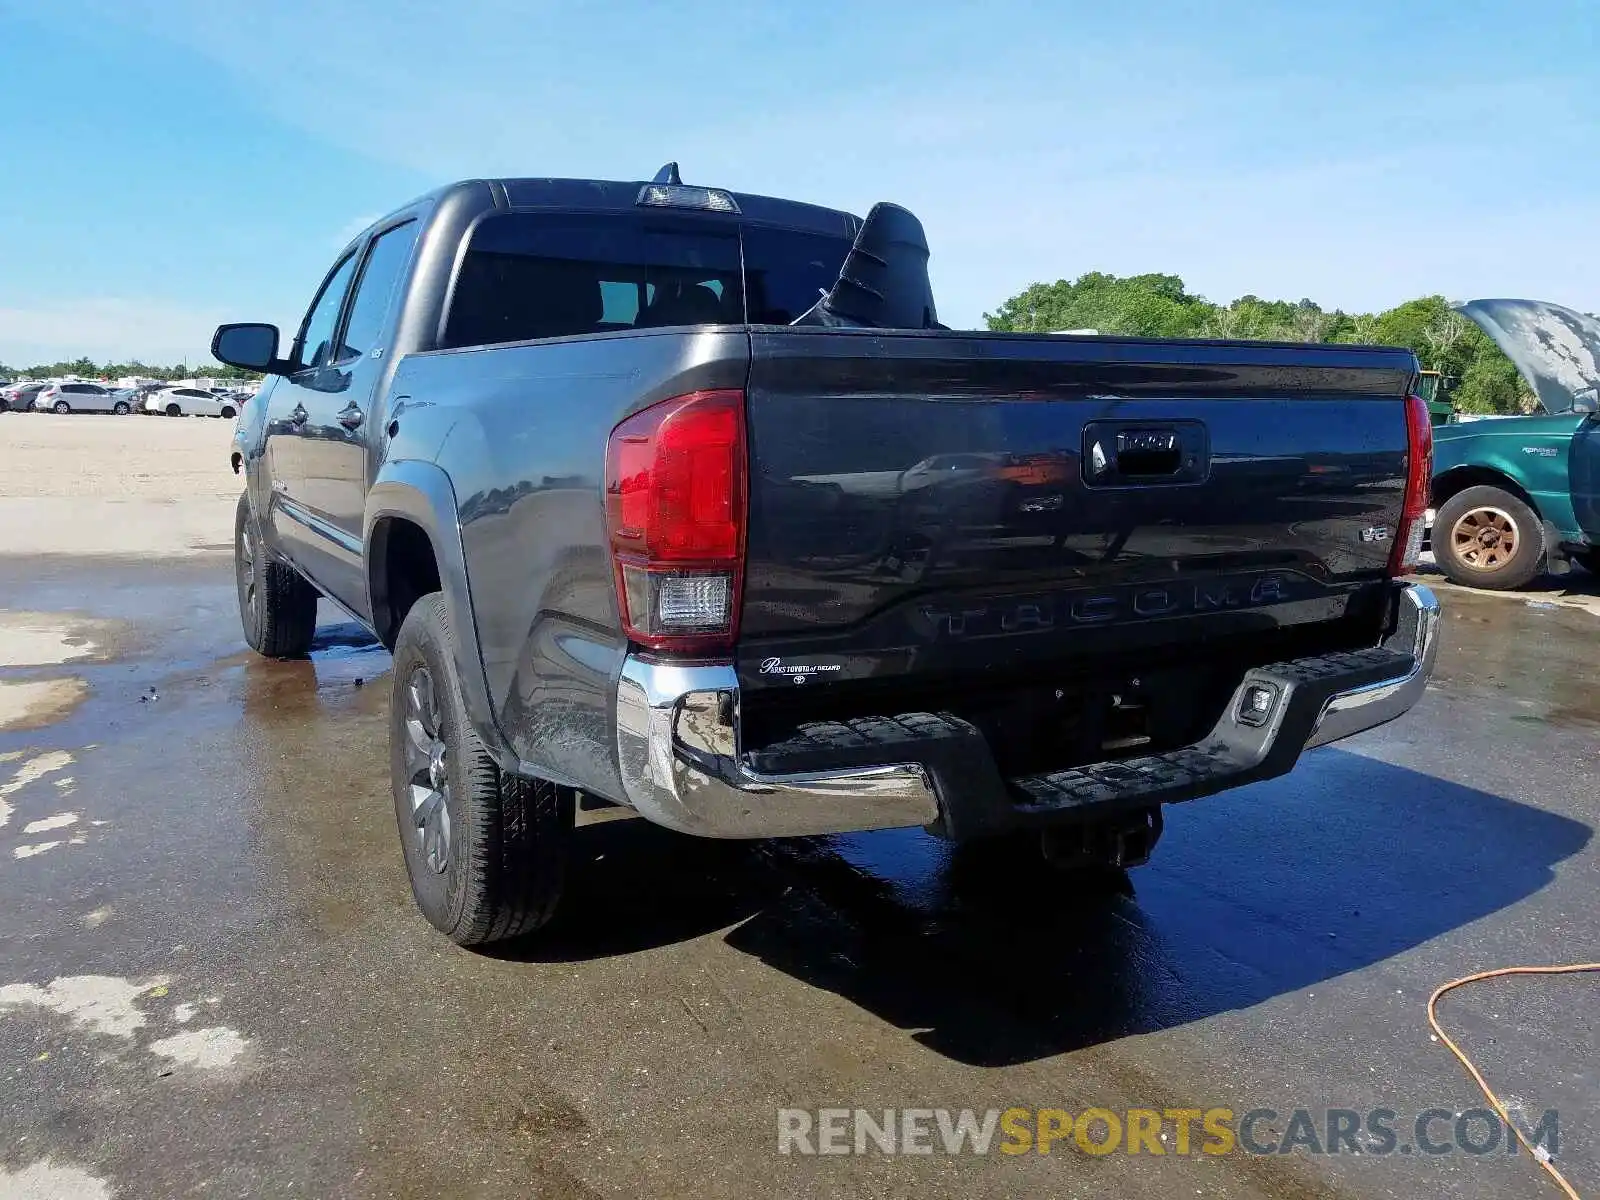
x: 1416, y: 633
x: 679, y: 753
x: 677, y: 746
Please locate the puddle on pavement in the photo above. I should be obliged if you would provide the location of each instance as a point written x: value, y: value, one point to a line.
x: 1542, y: 656
x: 346, y: 657
x: 345, y: 664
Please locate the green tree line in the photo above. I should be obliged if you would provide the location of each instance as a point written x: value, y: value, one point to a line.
x: 87, y: 368
x: 1476, y: 376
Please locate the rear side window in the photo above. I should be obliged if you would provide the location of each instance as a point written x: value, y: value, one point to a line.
x: 540, y: 275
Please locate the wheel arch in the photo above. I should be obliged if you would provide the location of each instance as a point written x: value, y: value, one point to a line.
x: 411, y: 509
x: 1451, y: 483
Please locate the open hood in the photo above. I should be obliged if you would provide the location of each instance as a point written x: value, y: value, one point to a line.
x: 1556, y: 349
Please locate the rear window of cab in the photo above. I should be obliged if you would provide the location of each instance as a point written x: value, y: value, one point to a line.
x: 531, y: 275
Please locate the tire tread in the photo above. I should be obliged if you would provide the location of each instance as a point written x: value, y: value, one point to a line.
x: 286, y: 603
x: 517, y: 826
x: 1525, y: 567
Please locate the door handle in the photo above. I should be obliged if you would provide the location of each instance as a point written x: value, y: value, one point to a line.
x: 298, y: 415
x: 351, y: 416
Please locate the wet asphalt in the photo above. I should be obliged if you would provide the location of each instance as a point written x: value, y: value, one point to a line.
x: 236, y: 842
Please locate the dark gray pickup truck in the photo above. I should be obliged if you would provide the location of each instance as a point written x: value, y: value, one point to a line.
x: 680, y: 501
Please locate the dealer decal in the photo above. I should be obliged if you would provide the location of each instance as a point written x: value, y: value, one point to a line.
x: 799, y: 672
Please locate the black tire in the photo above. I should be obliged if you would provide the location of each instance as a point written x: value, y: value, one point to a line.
x: 121, y: 408
x: 174, y: 411
x: 228, y: 412
x: 500, y: 868
x: 61, y: 408
x: 1505, y: 553
x: 277, y: 607
x: 1589, y: 560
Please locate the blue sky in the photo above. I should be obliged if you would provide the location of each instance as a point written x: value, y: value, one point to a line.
x: 170, y: 163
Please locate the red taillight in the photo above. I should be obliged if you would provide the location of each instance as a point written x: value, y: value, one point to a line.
x: 1419, y: 475
x: 675, y: 515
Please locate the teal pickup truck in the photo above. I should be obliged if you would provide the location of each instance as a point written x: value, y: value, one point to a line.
x: 1517, y: 496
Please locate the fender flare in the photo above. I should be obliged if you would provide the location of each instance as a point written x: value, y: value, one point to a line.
x: 421, y: 492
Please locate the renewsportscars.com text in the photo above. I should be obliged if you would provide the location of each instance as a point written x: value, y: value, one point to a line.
x: 1179, y: 1131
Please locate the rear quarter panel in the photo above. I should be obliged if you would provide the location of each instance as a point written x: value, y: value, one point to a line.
x: 521, y: 431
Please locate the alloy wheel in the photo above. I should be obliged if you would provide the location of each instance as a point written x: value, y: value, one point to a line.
x: 248, y: 580
x: 427, y: 770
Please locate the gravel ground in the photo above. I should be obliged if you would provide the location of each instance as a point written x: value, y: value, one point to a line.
x: 139, y: 486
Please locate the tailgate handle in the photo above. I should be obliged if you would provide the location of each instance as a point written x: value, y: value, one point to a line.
x: 1149, y: 452
x: 1120, y: 453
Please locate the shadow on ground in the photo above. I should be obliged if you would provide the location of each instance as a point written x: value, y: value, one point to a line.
x: 994, y: 960
x: 989, y: 959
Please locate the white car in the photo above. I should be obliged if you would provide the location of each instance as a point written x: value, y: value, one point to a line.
x: 82, y: 397
x: 189, y: 402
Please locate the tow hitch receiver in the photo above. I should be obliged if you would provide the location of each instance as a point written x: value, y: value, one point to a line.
x: 1126, y: 840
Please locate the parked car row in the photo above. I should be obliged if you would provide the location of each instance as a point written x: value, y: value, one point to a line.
x: 194, y: 402
x: 76, y: 397
x: 19, y: 397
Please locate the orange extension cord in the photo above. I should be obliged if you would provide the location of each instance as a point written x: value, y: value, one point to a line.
x: 1433, y: 1020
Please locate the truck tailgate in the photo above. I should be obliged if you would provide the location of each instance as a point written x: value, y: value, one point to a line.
x: 944, y: 508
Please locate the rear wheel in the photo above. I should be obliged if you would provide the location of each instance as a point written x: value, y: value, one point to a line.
x: 61, y: 407
x: 485, y: 850
x: 1484, y: 537
x: 174, y: 411
x: 277, y: 607
x: 228, y: 412
x: 121, y: 408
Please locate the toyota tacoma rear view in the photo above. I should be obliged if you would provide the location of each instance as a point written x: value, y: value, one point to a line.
x: 678, y: 500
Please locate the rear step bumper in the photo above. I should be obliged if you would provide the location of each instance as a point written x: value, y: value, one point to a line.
x: 682, y: 764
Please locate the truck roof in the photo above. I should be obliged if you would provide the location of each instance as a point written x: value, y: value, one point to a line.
x: 599, y: 195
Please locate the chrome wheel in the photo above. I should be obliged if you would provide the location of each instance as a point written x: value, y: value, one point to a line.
x: 427, y: 770
x: 1485, y: 539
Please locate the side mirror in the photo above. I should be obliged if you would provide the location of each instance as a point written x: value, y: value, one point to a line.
x: 252, y: 347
